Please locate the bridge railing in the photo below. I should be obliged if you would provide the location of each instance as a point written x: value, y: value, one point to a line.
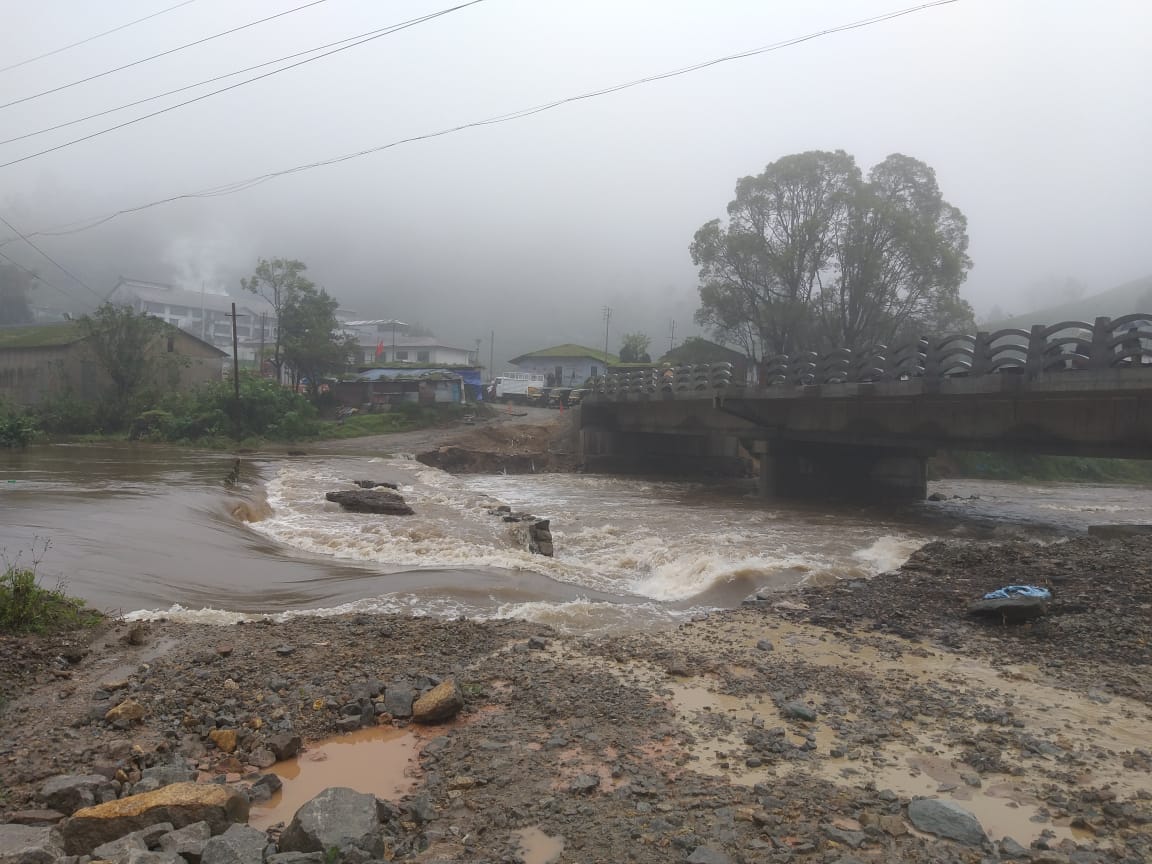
x: 1044, y: 349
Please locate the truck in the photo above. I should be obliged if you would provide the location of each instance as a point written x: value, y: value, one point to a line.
x: 524, y: 387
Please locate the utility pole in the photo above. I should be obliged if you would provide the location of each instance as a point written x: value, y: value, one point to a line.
x: 672, y: 336
x: 491, y: 357
x: 260, y: 359
x: 236, y: 371
x: 607, y: 319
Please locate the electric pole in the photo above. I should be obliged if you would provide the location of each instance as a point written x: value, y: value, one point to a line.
x: 672, y: 336
x: 607, y: 319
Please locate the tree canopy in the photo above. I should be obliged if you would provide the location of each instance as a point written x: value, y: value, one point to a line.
x: 277, y: 280
x: 119, y: 338
x: 635, y: 348
x: 815, y: 256
x: 312, y: 342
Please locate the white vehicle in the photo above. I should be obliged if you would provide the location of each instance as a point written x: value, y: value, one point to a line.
x: 520, y: 386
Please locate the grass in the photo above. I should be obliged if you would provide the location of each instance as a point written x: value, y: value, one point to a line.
x: 1029, y: 466
x: 403, y: 418
x: 28, y: 607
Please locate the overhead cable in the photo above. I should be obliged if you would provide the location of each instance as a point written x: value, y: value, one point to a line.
x: 387, y: 31
x: 48, y: 257
x: 161, y: 54
x: 71, y: 45
x: 241, y: 185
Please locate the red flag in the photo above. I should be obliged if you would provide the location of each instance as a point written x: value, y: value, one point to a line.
x: 379, y: 349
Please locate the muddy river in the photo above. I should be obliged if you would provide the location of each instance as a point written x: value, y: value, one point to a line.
x: 196, y: 535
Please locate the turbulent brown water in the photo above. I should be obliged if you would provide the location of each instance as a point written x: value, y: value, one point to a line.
x: 197, y: 535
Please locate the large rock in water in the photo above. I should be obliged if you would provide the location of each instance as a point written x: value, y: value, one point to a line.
x: 23, y: 844
x: 946, y: 819
x: 371, y: 501
x: 337, y: 817
x: 181, y: 804
x: 442, y: 702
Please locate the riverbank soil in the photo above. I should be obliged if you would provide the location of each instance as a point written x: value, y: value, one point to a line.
x: 801, y: 729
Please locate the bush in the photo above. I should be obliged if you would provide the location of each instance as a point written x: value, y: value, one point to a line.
x: 67, y: 415
x: 16, y: 430
x: 267, y: 410
x: 26, y: 607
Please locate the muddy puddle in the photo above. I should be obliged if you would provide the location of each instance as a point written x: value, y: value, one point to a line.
x: 380, y: 761
x: 536, y: 847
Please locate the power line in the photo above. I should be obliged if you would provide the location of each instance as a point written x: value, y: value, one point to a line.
x: 388, y: 31
x: 197, y: 84
x: 93, y: 38
x: 161, y: 54
x: 38, y: 277
x: 241, y: 185
x: 52, y: 260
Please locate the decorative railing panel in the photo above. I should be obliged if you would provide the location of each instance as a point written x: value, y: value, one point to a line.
x: 1065, y: 347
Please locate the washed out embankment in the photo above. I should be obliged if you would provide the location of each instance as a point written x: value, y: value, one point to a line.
x: 809, y: 726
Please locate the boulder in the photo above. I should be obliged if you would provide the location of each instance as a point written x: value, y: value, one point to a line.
x: 188, y: 842
x: 371, y: 501
x: 372, y: 484
x: 442, y: 702
x: 69, y: 792
x: 181, y: 804
x: 37, y: 818
x: 162, y: 775
x: 143, y: 856
x: 946, y: 819
x: 284, y: 746
x: 798, y: 711
x: 337, y: 817
x: 1011, y: 610
x: 129, y: 711
x: 240, y: 844
x: 398, y: 699
x: 143, y: 840
x: 24, y: 844
x: 225, y: 739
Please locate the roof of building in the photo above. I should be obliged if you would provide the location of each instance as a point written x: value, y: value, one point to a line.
x: 371, y: 340
x: 66, y: 333
x: 696, y: 349
x: 158, y: 292
x: 566, y: 350
x: 41, y: 335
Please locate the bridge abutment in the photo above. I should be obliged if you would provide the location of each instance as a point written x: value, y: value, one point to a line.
x: 804, y: 470
x: 614, y: 451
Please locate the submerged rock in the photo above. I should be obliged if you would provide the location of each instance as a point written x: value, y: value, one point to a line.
x: 371, y: 501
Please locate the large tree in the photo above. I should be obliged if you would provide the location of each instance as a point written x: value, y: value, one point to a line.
x: 313, y: 345
x: 277, y: 280
x: 119, y: 338
x: 814, y: 256
x: 635, y: 348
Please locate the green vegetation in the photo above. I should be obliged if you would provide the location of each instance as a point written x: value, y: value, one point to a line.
x: 402, y: 418
x: 16, y: 430
x: 28, y: 607
x: 1030, y: 466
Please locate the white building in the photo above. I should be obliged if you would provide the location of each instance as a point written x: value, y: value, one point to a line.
x: 204, y: 314
x: 384, y: 341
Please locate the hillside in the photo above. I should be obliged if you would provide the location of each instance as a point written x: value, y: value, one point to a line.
x: 1135, y: 296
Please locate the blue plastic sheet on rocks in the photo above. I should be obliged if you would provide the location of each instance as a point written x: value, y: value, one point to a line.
x: 1009, y: 592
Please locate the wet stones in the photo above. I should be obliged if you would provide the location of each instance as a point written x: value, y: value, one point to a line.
x: 68, y: 793
x: 181, y: 804
x: 382, y: 501
x: 531, y: 533
x: 337, y: 817
x: 373, y: 484
x: 23, y: 844
x: 442, y: 702
x: 946, y: 819
x: 240, y: 844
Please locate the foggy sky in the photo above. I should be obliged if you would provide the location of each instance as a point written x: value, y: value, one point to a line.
x: 1034, y: 114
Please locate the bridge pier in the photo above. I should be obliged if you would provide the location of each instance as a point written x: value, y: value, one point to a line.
x: 790, y: 469
x: 613, y: 451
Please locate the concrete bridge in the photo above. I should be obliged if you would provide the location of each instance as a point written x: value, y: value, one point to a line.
x: 863, y: 424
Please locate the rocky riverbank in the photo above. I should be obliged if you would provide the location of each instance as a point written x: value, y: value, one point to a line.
x: 865, y: 721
